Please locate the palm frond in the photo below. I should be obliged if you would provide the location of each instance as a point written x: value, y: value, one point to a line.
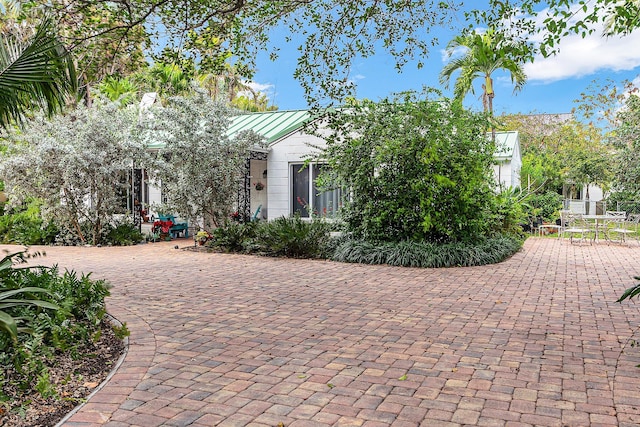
x: 486, y: 53
x: 39, y: 72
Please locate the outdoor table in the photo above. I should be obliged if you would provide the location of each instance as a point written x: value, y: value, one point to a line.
x: 599, y: 219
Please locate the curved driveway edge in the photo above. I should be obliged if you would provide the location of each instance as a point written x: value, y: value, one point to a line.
x: 229, y: 340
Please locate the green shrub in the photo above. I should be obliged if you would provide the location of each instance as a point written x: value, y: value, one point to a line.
x: 24, y: 226
x: 417, y: 168
x: 293, y: 237
x: 122, y: 234
x: 546, y: 206
x: 41, y: 330
x: 509, y: 212
x: 233, y: 236
x: 426, y: 254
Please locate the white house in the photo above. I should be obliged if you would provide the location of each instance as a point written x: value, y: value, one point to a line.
x: 508, y: 159
x: 276, y: 183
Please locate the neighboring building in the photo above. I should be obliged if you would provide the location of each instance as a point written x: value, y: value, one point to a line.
x: 508, y: 159
x: 578, y: 197
x: 276, y: 183
x: 583, y: 199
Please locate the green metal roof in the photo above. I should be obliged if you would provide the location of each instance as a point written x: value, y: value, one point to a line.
x: 272, y: 125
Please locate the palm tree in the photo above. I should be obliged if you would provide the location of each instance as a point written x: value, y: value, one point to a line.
x: 122, y: 90
x: 484, y: 53
x: 38, y: 71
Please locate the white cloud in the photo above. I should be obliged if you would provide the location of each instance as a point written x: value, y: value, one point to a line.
x: 455, y: 53
x: 267, y: 89
x: 260, y: 87
x: 580, y: 57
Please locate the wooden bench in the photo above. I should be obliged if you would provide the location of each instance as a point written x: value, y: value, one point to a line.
x: 177, y: 227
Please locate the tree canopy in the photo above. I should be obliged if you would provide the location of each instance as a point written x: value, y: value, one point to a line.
x: 110, y: 37
x: 554, y: 20
x: 558, y: 149
x: 626, y: 139
x: 199, y: 164
x: 76, y: 164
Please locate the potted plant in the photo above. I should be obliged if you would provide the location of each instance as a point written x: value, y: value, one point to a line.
x: 203, y: 237
x: 162, y: 228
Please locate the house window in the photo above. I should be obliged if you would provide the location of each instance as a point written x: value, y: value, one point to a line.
x: 132, y: 185
x: 306, y: 197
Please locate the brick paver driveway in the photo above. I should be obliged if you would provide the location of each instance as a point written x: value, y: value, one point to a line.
x: 227, y: 340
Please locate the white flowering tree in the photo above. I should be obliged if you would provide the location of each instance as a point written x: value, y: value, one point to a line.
x: 199, y: 166
x: 77, y: 164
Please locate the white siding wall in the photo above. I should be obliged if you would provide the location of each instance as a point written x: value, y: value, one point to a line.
x: 516, y: 166
x: 292, y: 149
x: 595, y: 193
x: 502, y: 173
x: 507, y: 171
x: 155, y: 197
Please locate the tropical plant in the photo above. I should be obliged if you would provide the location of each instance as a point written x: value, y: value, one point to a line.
x: 631, y: 292
x: 122, y: 90
x: 35, y: 72
x: 122, y: 234
x: 166, y: 79
x: 293, y: 237
x: 233, y: 236
x: 12, y: 296
x: 44, y: 335
x: 484, y: 53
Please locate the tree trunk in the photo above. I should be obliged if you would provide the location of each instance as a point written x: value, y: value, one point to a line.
x: 488, y: 95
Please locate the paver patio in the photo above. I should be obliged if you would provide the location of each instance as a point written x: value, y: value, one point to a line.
x: 229, y: 340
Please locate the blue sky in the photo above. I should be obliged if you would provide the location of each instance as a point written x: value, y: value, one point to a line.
x: 553, y: 83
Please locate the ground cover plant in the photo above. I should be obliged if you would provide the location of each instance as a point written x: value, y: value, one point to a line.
x: 55, y: 343
x: 297, y: 238
x: 427, y: 254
